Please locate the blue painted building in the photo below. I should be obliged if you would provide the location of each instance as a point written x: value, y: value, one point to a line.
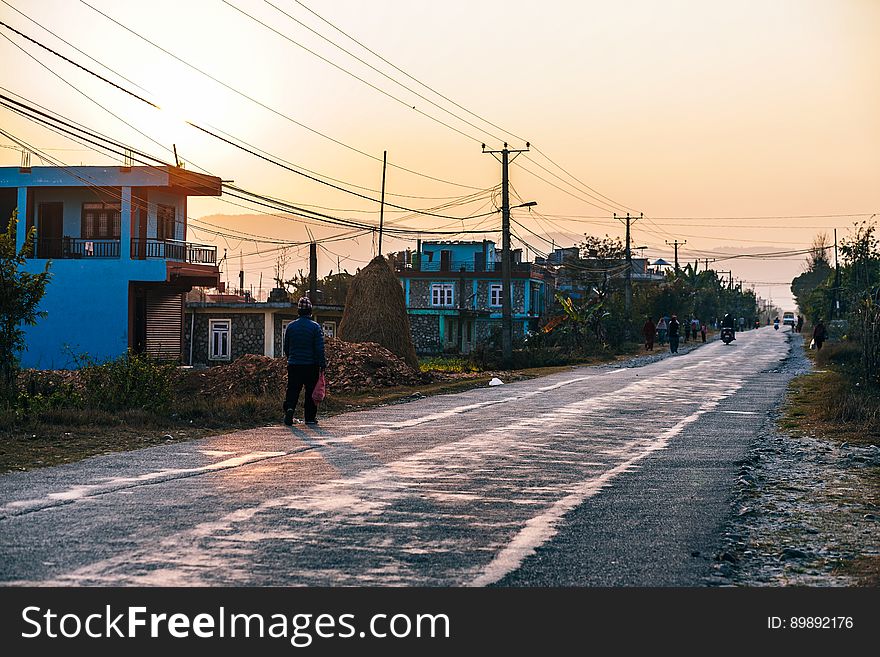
x: 453, y: 294
x: 120, y: 262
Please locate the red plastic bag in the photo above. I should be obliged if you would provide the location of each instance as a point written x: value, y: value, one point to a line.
x: 320, y: 390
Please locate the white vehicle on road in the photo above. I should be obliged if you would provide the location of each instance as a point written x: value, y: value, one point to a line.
x: 788, y: 319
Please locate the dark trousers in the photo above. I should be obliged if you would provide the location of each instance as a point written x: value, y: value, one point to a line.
x: 673, y: 343
x: 299, y: 376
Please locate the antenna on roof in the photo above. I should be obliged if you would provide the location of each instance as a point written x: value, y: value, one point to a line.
x: 25, y: 159
x: 176, y: 159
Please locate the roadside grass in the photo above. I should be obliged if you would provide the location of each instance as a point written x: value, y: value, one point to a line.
x: 830, y: 404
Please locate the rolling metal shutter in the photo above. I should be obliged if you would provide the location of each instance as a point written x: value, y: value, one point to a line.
x: 165, y: 325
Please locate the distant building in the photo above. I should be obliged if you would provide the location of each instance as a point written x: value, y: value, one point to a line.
x: 121, y: 264
x: 218, y: 332
x: 453, y: 294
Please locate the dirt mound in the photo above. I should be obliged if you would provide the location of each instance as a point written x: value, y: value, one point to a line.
x: 350, y: 367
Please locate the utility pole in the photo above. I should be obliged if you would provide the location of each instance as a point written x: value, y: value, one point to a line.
x: 628, y: 274
x: 313, y: 272
x: 382, y: 204
x: 676, y: 244
x: 707, y: 263
x: 506, y: 315
x: 835, y: 309
x: 730, y: 285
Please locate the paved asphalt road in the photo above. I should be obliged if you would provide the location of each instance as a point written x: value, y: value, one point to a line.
x: 594, y: 476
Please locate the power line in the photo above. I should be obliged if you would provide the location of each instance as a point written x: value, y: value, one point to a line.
x: 414, y: 79
x: 265, y: 106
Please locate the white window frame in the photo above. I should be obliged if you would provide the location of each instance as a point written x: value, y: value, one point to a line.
x: 212, y: 330
x: 443, y: 295
x: 496, y: 290
x: 329, y: 329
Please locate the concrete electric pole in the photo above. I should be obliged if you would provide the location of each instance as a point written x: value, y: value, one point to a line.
x: 676, y: 244
x: 506, y: 314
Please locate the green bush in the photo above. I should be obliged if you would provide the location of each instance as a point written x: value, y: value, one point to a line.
x: 132, y: 381
x: 454, y: 364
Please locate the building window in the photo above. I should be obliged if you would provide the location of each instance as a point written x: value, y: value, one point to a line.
x: 165, y: 220
x: 441, y: 294
x: 495, y: 294
x: 101, y: 221
x: 329, y: 329
x: 219, y: 331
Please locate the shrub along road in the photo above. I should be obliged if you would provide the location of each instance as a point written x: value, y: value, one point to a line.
x: 599, y: 475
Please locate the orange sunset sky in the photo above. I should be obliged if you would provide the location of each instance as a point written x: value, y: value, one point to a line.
x: 740, y: 127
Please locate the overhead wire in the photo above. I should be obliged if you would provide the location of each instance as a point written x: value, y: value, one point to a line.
x: 264, y: 105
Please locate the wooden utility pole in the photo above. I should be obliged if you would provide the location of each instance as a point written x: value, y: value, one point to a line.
x: 382, y: 202
x: 506, y: 314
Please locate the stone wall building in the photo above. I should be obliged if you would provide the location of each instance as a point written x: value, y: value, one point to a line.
x: 218, y: 333
x: 453, y: 295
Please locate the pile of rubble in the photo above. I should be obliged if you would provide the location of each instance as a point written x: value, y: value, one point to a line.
x: 350, y: 367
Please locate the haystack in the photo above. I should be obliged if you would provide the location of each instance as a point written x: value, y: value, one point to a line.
x: 375, y: 311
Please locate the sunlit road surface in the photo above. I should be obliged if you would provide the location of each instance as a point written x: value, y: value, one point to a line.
x: 452, y: 490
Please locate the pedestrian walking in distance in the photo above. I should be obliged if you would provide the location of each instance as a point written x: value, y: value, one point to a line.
x: 661, y: 330
x: 820, y: 333
x: 673, y: 334
x: 648, y: 330
x: 304, y: 349
x: 703, y: 331
x: 800, y: 324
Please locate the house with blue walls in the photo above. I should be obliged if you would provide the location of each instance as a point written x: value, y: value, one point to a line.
x: 453, y: 294
x: 120, y: 260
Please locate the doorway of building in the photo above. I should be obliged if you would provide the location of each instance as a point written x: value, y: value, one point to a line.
x: 139, y: 335
x: 50, y: 227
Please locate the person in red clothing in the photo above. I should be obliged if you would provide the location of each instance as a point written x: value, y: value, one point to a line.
x: 649, y: 330
x: 820, y: 333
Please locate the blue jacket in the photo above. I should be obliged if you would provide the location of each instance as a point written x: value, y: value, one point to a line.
x: 304, y: 343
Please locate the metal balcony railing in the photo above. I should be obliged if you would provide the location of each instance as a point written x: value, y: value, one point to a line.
x: 142, y: 249
x: 455, y: 266
x: 76, y: 248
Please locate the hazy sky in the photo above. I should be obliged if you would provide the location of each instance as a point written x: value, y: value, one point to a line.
x: 691, y: 111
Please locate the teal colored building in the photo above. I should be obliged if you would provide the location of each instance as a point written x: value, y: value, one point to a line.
x: 453, y: 294
x: 120, y: 260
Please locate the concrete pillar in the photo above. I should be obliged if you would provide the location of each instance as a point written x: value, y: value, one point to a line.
x: 21, y: 228
x: 269, y: 334
x: 125, y: 225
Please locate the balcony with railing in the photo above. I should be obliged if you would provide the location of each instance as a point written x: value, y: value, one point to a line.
x: 149, y: 249
x: 477, y: 265
x: 76, y: 248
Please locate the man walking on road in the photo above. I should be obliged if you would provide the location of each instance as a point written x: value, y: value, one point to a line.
x: 304, y: 348
x: 673, y: 334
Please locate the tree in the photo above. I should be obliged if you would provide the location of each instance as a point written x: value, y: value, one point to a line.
x: 20, y: 295
x: 811, y: 288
